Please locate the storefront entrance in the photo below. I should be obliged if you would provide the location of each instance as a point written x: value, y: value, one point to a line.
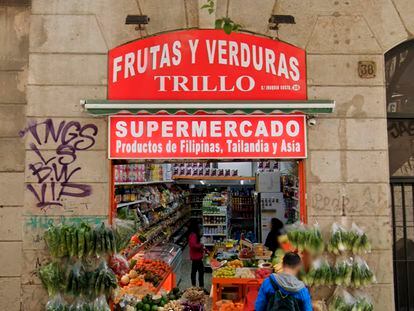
x: 232, y: 202
x: 207, y: 144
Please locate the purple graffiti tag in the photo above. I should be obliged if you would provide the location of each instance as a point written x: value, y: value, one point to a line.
x: 53, y: 174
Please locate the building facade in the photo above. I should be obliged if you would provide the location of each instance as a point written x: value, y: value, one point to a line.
x: 53, y: 53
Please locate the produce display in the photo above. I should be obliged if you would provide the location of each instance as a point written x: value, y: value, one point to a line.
x: 139, y: 279
x: 245, y: 273
x: 353, y: 273
x: 119, y: 264
x: 228, y: 305
x: 320, y: 274
x: 361, y: 274
x: 344, y: 301
x: 147, y: 215
x: 354, y: 240
x: 306, y: 239
x: 153, y: 270
x: 174, y: 305
x: 224, y: 272
x: 235, y: 264
x: 263, y: 273
x: 341, y: 300
x: 157, y: 302
x: 246, y: 253
x: 360, y: 244
x: 98, y: 282
x: 261, y: 252
x: 215, y: 264
x: 57, y: 303
x: 79, y: 240
x: 363, y: 304
x: 52, y: 278
x: 79, y: 277
x: 194, y: 297
x: 343, y: 273
x: 277, y: 260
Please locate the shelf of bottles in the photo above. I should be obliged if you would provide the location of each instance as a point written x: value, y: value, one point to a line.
x: 290, y: 189
x: 242, y: 211
x: 214, y: 217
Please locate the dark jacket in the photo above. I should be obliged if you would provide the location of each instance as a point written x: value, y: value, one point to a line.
x: 272, y: 242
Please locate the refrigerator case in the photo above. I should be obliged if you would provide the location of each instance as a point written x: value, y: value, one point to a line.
x: 271, y: 205
x: 170, y: 253
x: 270, y: 202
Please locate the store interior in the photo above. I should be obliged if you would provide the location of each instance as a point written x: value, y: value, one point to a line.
x: 233, y: 203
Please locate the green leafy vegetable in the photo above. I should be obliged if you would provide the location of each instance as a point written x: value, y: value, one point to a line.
x: 52, y: 278
x: 57, y: 303
x: 304, y: 239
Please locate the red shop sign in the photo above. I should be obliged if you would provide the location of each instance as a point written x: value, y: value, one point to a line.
x: 206, y: 65
x: 207, y: 136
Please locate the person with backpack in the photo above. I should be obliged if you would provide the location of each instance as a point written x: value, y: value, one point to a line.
x: 284, y: 291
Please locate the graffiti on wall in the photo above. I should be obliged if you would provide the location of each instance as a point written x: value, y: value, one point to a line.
x: 54, y: 172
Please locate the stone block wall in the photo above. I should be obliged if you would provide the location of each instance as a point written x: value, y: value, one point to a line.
x: 14, y: 53
x: 347, y: 169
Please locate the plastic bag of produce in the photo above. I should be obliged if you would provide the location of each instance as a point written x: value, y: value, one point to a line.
x: 119, y: 264
x: 343, y: 272
x: 80, y: 304
x: 56, y: 303
x: 104, y: 240
x: 361, y: 274
x: 53, y: 240
x: 103, y: 280
x: 307, y: 238
x: 52, y: 277
x: 320, y: 274
x: 362, y: 302
x: 341, y: 300
x: 339, y: 241
x: 77, y: 281
x: 314, y: 242
x: 296, y: 235
x: 360, y: 242
x: 101, y: 304
x: 124, y: 230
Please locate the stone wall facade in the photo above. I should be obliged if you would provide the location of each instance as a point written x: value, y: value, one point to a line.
x: 14, y: 57
x: 54, y: 53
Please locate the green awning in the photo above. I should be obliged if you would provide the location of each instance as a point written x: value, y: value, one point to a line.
x: 110, y: 107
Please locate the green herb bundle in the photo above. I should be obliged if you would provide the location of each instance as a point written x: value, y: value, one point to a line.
x: 82, y: 249
x: 320, y: 274
x: 306, y: 239
x: 80, y: 240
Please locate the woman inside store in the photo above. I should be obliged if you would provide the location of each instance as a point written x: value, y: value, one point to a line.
x: 196, y: 254
x: 276, y: 227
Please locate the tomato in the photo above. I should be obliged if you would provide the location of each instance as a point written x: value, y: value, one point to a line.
x: 135, y: 239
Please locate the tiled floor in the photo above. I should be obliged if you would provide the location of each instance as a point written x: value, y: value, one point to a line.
x: 186, y: 277
x: 186, y: 273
